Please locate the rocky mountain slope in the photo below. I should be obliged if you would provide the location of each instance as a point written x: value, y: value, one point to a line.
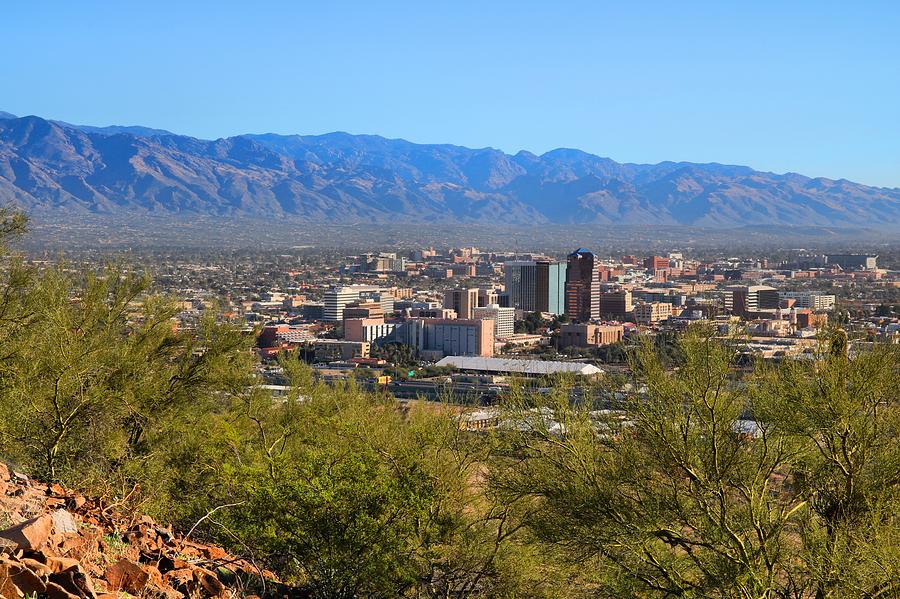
x: 57, y: 544
x: 338, y: 177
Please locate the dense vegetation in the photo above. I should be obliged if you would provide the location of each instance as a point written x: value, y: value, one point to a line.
x: 345, y: 494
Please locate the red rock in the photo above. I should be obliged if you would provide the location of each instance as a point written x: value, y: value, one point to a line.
x: 76, y: 502
x: 82, y: 546
x: 167, y: 593
x: 7, y: 588
x: 211, y: 552
x: 156, y: 577
x: 39, y: 568
x: 75, y: 581
x: 209, y: 583
x: 58, y: 564
x: 127, y: 576
x: 31, y: 534
x: 22, y: 577
x: 54, y: 591
x: 179, y: 578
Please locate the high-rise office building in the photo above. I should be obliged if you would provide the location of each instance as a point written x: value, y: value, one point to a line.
x: 550, y: 281
x: 582, y: 291
x: 745, y: 300
x: 486, y: 297
x: 536, y: 285
x: 520, y: 277
x: 462, y: 300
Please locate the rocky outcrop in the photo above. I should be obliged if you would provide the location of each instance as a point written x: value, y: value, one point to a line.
x: 58, y: 544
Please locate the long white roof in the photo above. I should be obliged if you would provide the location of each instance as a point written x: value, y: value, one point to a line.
x: 518, y: 366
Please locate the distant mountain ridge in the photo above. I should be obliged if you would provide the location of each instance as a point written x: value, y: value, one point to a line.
x: 338, y: 177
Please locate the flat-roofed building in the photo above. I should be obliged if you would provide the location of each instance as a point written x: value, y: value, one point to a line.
x: 809, y: 299
x: 652, y: 312
x: 486, y: 297
x: 853, y: 261
x: 536, y: 285
x: 462, y: 300
x: 589, y: 335
x: 437, y: 337
x: 364, y: 310
x: 520, y: 280
x: 504, y: 319
x: 329, y: 350
x: 337, y: 298
x: 616, y: 304
x: 520, y: 367
x: 747, y: 300
x: 367, y: 329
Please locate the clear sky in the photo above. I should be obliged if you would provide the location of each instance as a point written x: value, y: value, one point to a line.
x: 804, y: 86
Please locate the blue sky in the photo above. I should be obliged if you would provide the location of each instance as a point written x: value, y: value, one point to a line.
x: 810, y: 87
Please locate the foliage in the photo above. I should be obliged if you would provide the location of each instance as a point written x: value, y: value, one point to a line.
x: 681, y: 495
x: 349, y: 496
x: 532, y: 323
x: 94, y: 370
x: 658, y: 485
x: 842, y: 414
x: 398, y: 354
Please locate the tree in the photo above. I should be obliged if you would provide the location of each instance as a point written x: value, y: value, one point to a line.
x: 843, y: 414
x: 681, y: 494
x: 398, y: 354
x: 533, y: 322
x: 96, y: 367
x: 347, y: 495
x: 670, y: 497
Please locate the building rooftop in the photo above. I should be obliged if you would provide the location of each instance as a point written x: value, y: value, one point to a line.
x: 582, y: 252
x: 536, y: 367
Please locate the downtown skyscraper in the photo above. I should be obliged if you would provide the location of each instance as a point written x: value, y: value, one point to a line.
x: 536, y: 285
x: 582, y: 290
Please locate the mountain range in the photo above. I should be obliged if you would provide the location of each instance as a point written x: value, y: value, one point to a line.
x: 52, y: 166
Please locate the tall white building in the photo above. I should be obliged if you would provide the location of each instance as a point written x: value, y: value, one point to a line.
x: 504, y: 319
x: 809, y: 299
x: 337, y: 298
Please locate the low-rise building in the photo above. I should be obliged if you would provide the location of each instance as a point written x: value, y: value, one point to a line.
x: 809, y: 299
x: 589, y: 335
x: 652, y: 312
